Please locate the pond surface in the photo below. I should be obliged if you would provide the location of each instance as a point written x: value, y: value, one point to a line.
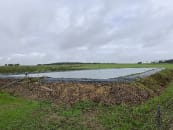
x: 90, y: 74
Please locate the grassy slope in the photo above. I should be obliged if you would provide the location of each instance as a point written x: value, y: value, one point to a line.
x: 17, y: 113
x: 46, y: 68
x: 141, y: 117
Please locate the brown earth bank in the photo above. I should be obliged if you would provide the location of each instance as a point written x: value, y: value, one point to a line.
x: 106, y: 93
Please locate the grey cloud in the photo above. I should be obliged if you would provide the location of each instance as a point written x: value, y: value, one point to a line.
x: 43, y: 31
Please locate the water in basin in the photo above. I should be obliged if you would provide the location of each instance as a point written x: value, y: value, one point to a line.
x: 90, y: 74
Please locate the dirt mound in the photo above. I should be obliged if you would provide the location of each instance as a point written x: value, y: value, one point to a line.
x: 4, y: 82
x: 111, y: 93
x: 107, y: 93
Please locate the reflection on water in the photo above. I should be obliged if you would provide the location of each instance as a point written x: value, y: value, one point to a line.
x: 91, y: 74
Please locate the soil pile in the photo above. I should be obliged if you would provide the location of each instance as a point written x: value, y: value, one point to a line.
x: 106, y: 93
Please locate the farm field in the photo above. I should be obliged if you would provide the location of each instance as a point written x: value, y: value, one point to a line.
x: 66, y: 67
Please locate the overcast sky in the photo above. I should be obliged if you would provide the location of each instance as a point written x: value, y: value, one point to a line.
x: 44, y: 31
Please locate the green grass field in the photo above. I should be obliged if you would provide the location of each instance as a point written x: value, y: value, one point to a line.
x: 17, y: 113
x: 65, y: 67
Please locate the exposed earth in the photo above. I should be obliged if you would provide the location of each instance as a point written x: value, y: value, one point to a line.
x: 71, y: 92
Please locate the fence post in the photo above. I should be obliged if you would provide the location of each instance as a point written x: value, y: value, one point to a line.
x: 26, y: 74
x: 158, y: 118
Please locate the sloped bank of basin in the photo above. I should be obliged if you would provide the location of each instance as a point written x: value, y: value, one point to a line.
x: 102, y: 92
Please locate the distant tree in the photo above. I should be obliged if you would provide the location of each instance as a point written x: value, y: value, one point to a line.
x: 140, y: 62
x: 17, y: 65
x: 169, y: 61
x: 10, y: 64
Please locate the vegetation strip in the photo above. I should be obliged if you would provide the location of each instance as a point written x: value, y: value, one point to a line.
x: 66, y: 67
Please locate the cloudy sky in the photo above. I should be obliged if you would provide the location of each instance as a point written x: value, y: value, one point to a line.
x: 44, y: 31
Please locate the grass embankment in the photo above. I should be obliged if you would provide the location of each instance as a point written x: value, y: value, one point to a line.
x: 65, y: 67
x: 141, y: 117
x: 17, y: 113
